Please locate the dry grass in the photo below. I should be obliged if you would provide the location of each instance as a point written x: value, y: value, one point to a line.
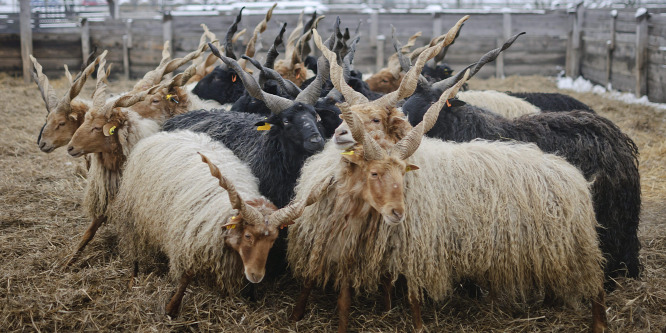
x: 41, y: 222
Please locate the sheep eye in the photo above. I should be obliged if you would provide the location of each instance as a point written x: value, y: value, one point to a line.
x: 61, y: 124
x: 248, y: 236
x: 384, y: 81
x: 155, y: 101
x: 285, y: 121
x: 376, y: 120
x: 374, y: 174
x: 97, y: 129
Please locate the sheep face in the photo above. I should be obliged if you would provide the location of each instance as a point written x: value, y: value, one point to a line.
x: 163, y: 104
x: 294, y: 72
x: 61, y: 125
x: 221, y: 85
x: 373, y: 119
x: 384, y: 81
x: 253, y: 240
x: 382, y: 181
x: 97, y: 134
x: 300, y: 125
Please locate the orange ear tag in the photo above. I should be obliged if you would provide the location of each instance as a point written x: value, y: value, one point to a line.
x: 447, y: 103
x: 264, y: 127
x: 233, y: 78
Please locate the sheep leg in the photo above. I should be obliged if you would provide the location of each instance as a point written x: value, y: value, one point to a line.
x: 299, y: 309
x: 344, y: 305
x: 599, y: 322
x: 174, y: 304
x: 135, y: 273
x: 415, y: 306
x: 388, y: 289
x: 87, y: 236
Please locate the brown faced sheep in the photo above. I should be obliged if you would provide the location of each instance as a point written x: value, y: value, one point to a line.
x: 184, y: 214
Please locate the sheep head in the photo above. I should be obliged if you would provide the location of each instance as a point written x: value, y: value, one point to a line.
x: 102, y: 130
x: 254, y: 229
x: 168, y: 99
x: 296, y: 121
x: 380, y: 170
x: 65, y: 115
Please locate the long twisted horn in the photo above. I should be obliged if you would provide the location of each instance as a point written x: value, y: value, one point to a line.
x: 410, y: 80
x: 287, y: 215
x: 270, y: 74
x: 475, y: 67
x: 337, y: 77
x: 155, y: 76
x: 99, y: 96
x: 275, y: 103
x: 250, y: 214
x: 260, y: 28
x: 48, y: 93
x: 80, y: 80
x: 408, y: 145
x: 273, y: 52
x: 290, y: 47
x: 302, y: 46
x: 371, y: 149
x: 228, y: 43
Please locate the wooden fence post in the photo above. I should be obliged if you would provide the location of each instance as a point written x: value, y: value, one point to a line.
x: 127, y: 44
x: 26, y: 40
x: 610, y: 47
x: 379, y: 61
x: 85, y: 39
x: 167, y: 35
x: 642, y: 16
x: 506, y: 34
x: 575, y: 55
x: 374, y: 27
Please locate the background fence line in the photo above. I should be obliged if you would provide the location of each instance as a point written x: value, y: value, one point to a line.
x: 626, y: 50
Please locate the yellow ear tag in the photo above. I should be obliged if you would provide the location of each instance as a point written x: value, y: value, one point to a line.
x: 264, y: 127
x: 231, y: 226
x: 172, y: 98
x: 408, y: 169
x: 348, y: 152
x: 112, y: 130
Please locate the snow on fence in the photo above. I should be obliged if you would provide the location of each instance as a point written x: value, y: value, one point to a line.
x: 621, y: 48
x: 135, y: 44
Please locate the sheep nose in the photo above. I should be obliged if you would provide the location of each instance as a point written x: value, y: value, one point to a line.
x: 42, y: 144
x: 315, y: 139
x: 70, y: 148
x: 397, y: 214
x: 342, y: 132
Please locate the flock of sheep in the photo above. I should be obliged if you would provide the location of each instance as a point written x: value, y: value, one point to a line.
x: 528, y: 196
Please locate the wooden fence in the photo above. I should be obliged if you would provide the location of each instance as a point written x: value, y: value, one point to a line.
x: 135, y: 45
x: 623, y: 48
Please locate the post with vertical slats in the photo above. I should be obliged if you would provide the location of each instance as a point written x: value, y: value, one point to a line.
x: 610, y: 47
x: 575, y: 54
x: 374, y: 27
x: 167, y: 34
x: 642, y: 16
x: 85, y: 38
x: 26, y: 39
x: 379, y: 61
x: 506, y: 34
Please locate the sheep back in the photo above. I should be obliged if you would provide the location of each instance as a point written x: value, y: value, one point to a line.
x: 170, y: 203
x: 497, y: 102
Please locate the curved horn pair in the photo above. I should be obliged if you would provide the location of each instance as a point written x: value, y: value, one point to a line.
x: 273, y: 52
x: 286, y: 215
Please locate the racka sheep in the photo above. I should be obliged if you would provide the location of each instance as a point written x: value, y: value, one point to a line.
x: 184, y: 214
x: 64, y: 116
x: 607, y: 157
x: 458, y: 202
x: 108, y: 133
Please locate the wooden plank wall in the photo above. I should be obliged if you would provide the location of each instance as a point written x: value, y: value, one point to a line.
x: 596, y: 34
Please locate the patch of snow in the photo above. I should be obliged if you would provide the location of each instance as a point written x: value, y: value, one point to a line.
x: 640, y: 12
x: 582, y: 85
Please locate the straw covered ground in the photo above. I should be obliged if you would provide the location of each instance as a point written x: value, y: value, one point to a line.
x: 41, y: 221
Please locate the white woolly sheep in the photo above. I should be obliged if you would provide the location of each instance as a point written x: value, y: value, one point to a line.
x: 183, y: 213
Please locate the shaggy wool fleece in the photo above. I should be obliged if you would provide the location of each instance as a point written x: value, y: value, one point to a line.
x: 505, y: 215
x: 497, y: 102
x: 170, y: 203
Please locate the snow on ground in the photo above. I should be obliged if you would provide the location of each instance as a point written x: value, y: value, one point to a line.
x: 582, y: 85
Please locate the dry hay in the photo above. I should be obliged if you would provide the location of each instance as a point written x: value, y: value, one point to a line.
x: 41, y: 222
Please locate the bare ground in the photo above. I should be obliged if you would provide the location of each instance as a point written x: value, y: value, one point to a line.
x: 41, y: 222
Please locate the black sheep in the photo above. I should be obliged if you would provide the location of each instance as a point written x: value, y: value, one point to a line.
x: 607, y: 157
x: 221, y: 85
x: 549, y: 102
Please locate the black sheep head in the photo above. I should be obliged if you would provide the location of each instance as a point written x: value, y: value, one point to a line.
x: 221, y: 85
x: 299, y: 124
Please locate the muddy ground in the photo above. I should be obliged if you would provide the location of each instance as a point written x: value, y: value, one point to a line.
x: 41, y: 221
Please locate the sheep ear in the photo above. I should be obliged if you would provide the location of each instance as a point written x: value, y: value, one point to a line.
x: 73, y: 116
x: 110, y: 128
x: 455, y: 103
x: 233, y: 222
x: 411, y: 167
x: 350, y: 156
